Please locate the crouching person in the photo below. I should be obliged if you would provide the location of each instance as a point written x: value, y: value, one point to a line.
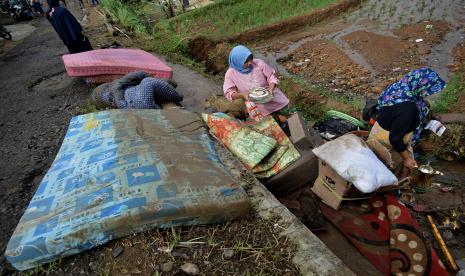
x: 136, y: 90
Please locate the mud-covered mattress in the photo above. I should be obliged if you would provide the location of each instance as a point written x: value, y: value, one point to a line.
x: 124, y: 171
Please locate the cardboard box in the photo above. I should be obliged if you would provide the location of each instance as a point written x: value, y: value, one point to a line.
x: 332, y: 188
x: 301, y: 172
x: 303, y: 136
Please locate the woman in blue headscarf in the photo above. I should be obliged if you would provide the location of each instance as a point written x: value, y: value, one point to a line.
x: 402, y: 113
x: 246, y: 73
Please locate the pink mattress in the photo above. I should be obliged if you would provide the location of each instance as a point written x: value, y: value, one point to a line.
x: 115, y: 62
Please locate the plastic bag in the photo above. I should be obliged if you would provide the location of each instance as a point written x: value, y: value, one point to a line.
x: 351, y: 158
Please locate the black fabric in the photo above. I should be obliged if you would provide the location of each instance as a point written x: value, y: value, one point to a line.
x: 80, y: 45
x: 370, y: 110
x: 399, y: 120
x: 67, y: 27
x: 335, y: 126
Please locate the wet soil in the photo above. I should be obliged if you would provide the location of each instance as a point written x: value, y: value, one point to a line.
x: 324, y: 64
x: 376, y: 42
x: 252, y: 246
x: 38, y: 101
x: 286, y: 26
x: 356, y: 55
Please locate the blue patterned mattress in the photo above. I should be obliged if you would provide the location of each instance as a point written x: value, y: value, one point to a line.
x: 124, y: 171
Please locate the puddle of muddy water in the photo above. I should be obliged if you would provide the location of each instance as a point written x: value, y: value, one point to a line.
x: 391, y: 14
x: 380, y: 18
x: 384, y: 16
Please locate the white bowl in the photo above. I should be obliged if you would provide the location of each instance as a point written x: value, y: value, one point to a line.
x: 260, y: 95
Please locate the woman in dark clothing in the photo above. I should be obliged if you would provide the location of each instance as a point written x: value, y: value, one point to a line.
x: 402, y: 111
x: 68, y: 28
x: 37, y: 7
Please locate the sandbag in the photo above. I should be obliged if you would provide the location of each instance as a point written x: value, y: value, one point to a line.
x: 353, y: 160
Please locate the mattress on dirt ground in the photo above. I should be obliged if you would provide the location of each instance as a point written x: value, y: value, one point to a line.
x: 115, y: 62
x: 124, y: 171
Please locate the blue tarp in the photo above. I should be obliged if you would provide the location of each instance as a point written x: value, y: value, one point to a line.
x: 124, y: 171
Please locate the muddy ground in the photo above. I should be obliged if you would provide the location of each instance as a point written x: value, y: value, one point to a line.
x: 356, y: 55
x: 364, y: 50
x: 353, y: 55
x: 38, y: 101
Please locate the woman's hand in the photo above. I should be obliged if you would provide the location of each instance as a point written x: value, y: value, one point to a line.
x: 237, y: 95
x: 271, y: 88
x: 410, y: 163
x: 436, y: 117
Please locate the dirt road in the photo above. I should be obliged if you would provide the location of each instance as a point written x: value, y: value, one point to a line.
x: 37, y: 102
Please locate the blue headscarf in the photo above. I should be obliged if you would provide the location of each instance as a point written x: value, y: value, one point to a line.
x: 237, y: 58
x: 413, y: 87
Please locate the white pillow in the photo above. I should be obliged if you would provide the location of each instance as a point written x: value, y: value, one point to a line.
x: 353, y: 160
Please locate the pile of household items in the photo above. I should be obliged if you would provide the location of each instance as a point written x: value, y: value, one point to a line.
x: 159, y: 168
x: 357, y: 191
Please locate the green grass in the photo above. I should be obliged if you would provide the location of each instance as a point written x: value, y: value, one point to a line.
x: 229, y: 17
x: 169, y: 37
x: 451, y: 93
x: 125, y: 15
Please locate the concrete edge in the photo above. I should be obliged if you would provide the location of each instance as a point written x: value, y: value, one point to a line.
x: 311, y: 256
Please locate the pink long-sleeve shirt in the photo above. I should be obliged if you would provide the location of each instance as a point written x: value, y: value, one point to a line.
x: 262, y: 75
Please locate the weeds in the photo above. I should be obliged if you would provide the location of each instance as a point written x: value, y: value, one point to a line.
x: 173, y: 239
x: 450, y: 95
x: 46, y: 269
x: 125, y: 15
x: 89, y: 108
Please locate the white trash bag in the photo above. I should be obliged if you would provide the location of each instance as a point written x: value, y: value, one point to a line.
x: 353, y: 160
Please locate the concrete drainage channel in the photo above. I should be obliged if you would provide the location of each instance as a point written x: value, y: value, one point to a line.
x: 311, y: 256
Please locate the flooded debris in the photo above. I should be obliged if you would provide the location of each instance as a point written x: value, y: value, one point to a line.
x: 436, y: 200
x: 442, y: 245
x: 304, y: 204
x: 376, y: 233
x: 451, y: 145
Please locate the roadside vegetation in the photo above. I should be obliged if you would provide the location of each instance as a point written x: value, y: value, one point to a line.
x: 125, y: 15
x: 230, y: 17
x: 222, y: 18
x: 452, y: 99
x: 170, y: 37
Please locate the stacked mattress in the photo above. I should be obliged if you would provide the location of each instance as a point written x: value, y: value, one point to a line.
x: 105, y: 65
